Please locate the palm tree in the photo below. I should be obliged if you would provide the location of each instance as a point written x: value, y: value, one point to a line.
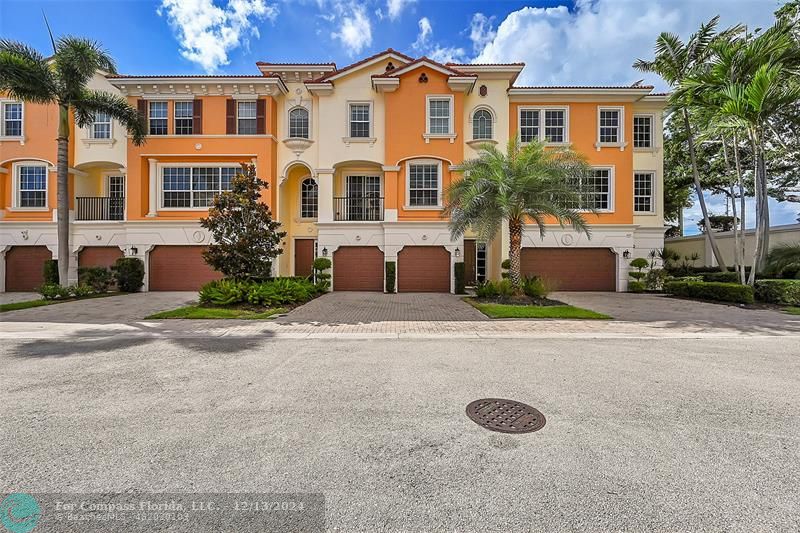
x: 62, y: 79
x: 674, y: 62
x: 529, y: 183
x: 748, y: 83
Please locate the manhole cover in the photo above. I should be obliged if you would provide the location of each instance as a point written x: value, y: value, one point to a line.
x: 505, y: 416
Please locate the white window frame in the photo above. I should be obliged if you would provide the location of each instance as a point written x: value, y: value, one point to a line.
x: 289, y: 121
x: 15, y: 169
x: 371, y: 135
x: 300, y: 198
x: 439, y: 205
x: 652, y: 146
x: 652, y: 210
x: 160, y: 180
x: 620, y: 128
x: 254, y: 118
x: 611, y: 189
x: 90, y: 134
x: 493, y: 117
x: 541, y: 109
x: 150, y: 117
x: 176, y: 118
x: 451, y: 123
x: 3, y: 136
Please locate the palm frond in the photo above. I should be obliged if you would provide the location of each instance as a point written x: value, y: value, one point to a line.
x: 25, y: 74
x: 77, y: 60
x: 90, y: 102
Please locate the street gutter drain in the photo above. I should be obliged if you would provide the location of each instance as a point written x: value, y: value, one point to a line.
x: 505, y: 416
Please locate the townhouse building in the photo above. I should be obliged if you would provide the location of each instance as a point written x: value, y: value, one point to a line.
x: 357, y: 160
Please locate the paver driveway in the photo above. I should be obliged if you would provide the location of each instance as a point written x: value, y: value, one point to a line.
x: 122, y: 308
x: 367, y: 307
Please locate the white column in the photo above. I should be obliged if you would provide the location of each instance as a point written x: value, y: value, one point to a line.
x: 325, y: 198
x: 153, y: 196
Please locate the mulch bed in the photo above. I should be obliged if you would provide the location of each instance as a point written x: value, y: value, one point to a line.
x: 519, y: 300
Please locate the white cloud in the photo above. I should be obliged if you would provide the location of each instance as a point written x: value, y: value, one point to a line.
x: 481, y: 31
x: 597, y: 42
x: 394, y: 8
x: 207, y: 32
x: 355, y: 31
x: 446, y: 54
x: 425, y: 31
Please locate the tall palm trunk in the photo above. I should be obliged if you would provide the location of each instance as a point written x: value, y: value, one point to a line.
x: 62, y: 191
x: 741, y: 246
x: 515, y: 250
x: 762, y: 211
x: 699, y: 190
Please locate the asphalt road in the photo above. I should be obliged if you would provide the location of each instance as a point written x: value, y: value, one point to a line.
x: 641, y: 435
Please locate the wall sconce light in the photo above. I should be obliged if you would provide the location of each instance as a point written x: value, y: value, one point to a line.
x: 626, y: 254
x: 324, y: 252
x: 458, y: 251
x: 134, y: 250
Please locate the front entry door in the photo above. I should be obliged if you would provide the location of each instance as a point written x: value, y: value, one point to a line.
x: 303, y: 257
x: 116, y: 194
x: 363, y: 197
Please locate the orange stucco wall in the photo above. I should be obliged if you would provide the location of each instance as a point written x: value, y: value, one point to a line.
x: 40, y: 130
x: 583, y: 136
x: 217, y: 148
x: 405, y: 127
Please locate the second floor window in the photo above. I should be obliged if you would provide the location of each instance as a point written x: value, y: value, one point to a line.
x: 11, y: 125
x: 246, y: 122
x: 594, y: 190
x: 298, y: 123
x: 184, y: 118
x: 555, y: 125
x: 482, y: 124
x: 101, y: 126
x: 423, y: 184
x: 529, y: 125
x: 439, y: 116
x: 158, y: 117
x: 32, y: 186
x: 643, y: 192
x: 359, y: 120
x: 642, y: 131
x: 194, y: 187
x: 610, y: 126
x: 548, y: 125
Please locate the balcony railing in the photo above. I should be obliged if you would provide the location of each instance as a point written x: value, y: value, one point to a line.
x: 99, y: 208
x: 358, y: 208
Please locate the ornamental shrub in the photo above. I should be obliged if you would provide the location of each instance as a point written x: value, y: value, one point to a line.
x: 129, y: 273
x: 636, y: 286
x: 639, y: 263
x: 779, y: 291
x: 486, y: 289
x: 723, y: 277
x: 322, y: 277
x: 391, y: 268
x: 458, y: 274
x: 54, y: 291
x: 224, y: 292
x: 281, y: 291
x: 51, y: 271
x: 638, y: 276
x: 654, y: 281
x: 535, y: 287
x: 98, y: 278
x: 81, y: 291
x: 721, y: 292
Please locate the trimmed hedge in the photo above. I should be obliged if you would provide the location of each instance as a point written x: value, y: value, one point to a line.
x: 51, y: 271
x: 721, y: 292
x: 129, y: 273
x: 391, y: 267
x: 636, y: 286
x: 779, y: 291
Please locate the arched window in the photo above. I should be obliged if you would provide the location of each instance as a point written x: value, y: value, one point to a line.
x: 298, y: 123
x: 482, y: 124
x: 308, y: 198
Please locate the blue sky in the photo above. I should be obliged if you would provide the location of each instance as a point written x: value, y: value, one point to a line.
x: 561, y: 41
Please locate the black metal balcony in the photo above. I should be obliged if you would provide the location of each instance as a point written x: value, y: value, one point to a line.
x: 99, y: 208
x: 358, y: 208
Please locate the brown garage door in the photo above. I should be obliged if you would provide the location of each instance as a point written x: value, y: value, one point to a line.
x: 102, y: 256
x: 25, y: 267
x: 572, y: 269
x: 179, y: 268
x: 423, y: 269
x: 358, y: 268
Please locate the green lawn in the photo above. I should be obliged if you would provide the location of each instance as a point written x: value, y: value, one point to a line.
x: 25, y: 305
x: 792, y: 310
x: 535, y: 311
x: 197, y: 312
x: 16, y: 306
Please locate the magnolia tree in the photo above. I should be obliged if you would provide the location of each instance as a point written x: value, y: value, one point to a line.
x: 246, y: 239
